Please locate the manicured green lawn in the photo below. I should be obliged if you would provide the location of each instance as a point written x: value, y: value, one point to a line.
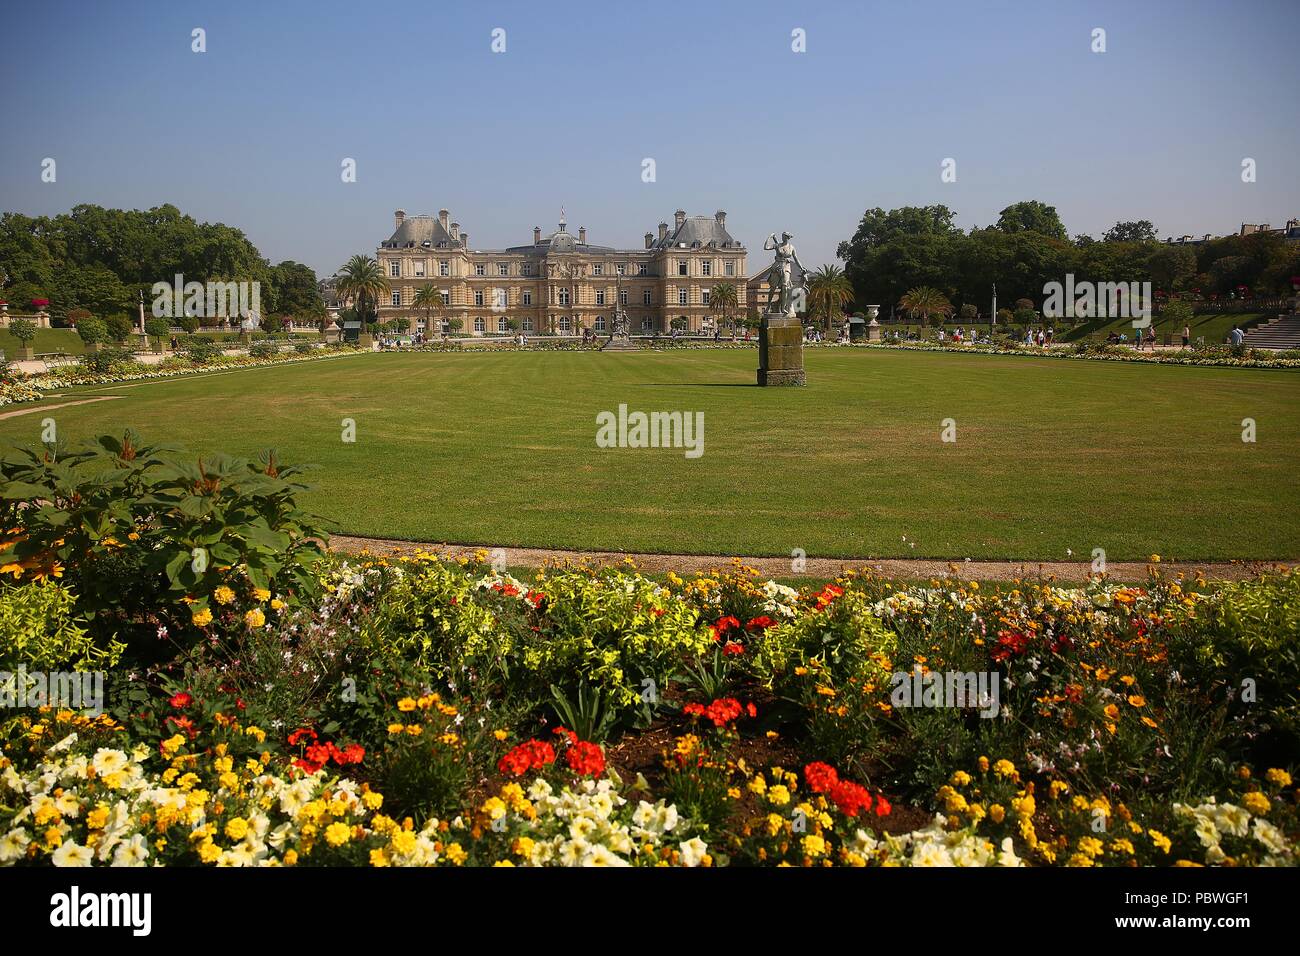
x: 500, y: 449
x: 47, y: 340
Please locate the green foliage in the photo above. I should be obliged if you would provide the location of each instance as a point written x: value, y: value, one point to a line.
x: 200, y: 350
x: 585, y: 712
x: 119, y: 327
x: 39, y: 630
x: 157, y: 328
x: 147, y: 535
x: 24, y: 330
x: 263, y: 349
x: 106, y: 359
x: 92, y: 331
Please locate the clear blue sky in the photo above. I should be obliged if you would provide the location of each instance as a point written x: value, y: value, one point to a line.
x: 252, y: 132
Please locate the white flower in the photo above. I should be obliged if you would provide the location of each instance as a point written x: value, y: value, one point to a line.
x: 73, y: 854
x: 693, y: 851
x: 13, y: 845
x: 134, y: 852
x: 108, y: 761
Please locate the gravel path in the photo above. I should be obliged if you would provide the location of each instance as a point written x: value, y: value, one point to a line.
x: 1066, y: 571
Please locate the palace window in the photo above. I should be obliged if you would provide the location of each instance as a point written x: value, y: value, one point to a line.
x: 446, y: 297
x: 479, y: 325
x: 621, y: 269
x: 478, y: 296
x: 528, y: 325
x: 564, y: 296
x: 419, y: 267
x: 600, y: 323
x: 600, y: 296
x: 528, y: 298
x: 480, y: 269
x: 681, y: 267
x: 682, y: 297
x: 397, y: 298
x: 729, y: 268
x: 641, y: 269
x: 526, y: 269
x: 706, y: 268
x: 564, y: 323
x: 444, y: 267
x: 704, y: 296
x: 501, y: 324
x: 598, y: 269
x: 394, y: 268
x: 500, y: 298
x: 622, y: 296
x: 645, y: 324
x: 503, y: 268
x: 646, y: 297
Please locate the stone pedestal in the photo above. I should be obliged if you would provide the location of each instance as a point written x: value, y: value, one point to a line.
x: 873, y: 331
x: 780, y: 351
x: 619, y: 343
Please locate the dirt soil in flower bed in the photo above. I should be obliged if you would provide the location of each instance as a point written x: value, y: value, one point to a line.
x: 819, y: 568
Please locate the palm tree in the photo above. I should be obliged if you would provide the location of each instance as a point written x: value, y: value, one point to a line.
x: 428, y: 300
x: 829, y: 290
x: 723, y: 299
x: 925, y: 301
x: 361, y: 280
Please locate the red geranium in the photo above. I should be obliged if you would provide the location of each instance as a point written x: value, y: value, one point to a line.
x: 724, y: 625
x: 827, y: 595
x: 586, y: 758
x: 180, y: 700
x: 722, y: 711
x: 820, y: 776
x: 760, y: 623
x: 850, y: 798
x: 301, y: 734
x: 732, y: 649
x: 530, y: 755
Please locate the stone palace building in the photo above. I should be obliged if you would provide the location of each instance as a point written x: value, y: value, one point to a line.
x: 561, y: 283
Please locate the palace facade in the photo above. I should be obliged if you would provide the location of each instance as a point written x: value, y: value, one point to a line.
x: 561, y: 283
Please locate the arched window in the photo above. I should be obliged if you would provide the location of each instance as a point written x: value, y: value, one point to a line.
x: 479, y: 325
x: 501, y: 324
x: 564, y: 324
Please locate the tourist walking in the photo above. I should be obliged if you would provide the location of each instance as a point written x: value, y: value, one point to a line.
x: 1187, y: 336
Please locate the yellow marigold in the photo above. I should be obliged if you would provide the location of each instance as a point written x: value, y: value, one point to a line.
x: 960, y: 778
x: 255, y: 617
x: 337, y: 834
x: 201, y: 617
x: 1255, y: 802
x: 1279, y: 777
x: 1004, y: 768
x: 778, y: 794
x: 223, y: 595
x: 379, y: 858
x: 984, y: 764
x: 456, y: 854
x: 277, y: 605
x: 261, y: 594
x: 1161, y: 841
x: 1137, y: 700
x: 500, y: 734
x: 406, y: 705
x: 997, y: 813
x: 236, y: 828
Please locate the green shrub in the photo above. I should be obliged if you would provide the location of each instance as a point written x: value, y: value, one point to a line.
x: 263, y: 349
x: 106, y: 359
x: 201, y: 351
x: 92, y: 330
x: 38, y: 630
x: 149, y: 537
x: 303, y: 348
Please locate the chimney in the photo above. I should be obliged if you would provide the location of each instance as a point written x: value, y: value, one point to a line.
x: 464, y: 239
x: 442, y: 217
x: 663, y: 231
x: 400, y: 216
x: 455, y: 230
x: 721, y: 217
x: 582, y: 235
x: 649, y: 239
x: 537, y: 235
x: 679, y: 217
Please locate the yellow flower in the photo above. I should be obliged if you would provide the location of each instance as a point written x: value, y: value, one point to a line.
x: 1162, y: 842
x: 997, y: 813
x: 406, y: 705
x: 201, y: 617
x: 778, y: 795
x: 337, y: 834
x: 1004, y: 768
x: 984, y: 764
x: 223, y: 595
x: 277, y: 605
x: 1256, y: 803
x: 1111, y: 711
x: 1155, y: 559
x: 500, y: 734
x: 456, y: 854
x: 1137, y: 700
x: 960, y: 778
x: 1279, y: 777
x: 237, y: 828
x: 255, y: 618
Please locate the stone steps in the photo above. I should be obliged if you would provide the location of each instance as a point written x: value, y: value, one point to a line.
x: 1282, y: 332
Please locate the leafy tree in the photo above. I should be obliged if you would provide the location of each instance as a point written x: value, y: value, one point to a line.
x: 362, y: 281
x: 24, y: 330
x: 1140, y: 231
x: 829, y: 291
x: 92, y: 331
x: 1172, y: 267
x: 925, y: 302
x: 1032, y: 216
x: 157, y: 329
x: 189, y: 323
x: 969, y: 313
x: 429, y: 301
x: 294, y: 291
x: 723, y: 300
x: 1177, y: 313
x: 119, y: 327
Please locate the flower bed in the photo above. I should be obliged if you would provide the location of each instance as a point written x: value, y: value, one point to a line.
x: 417, y: 710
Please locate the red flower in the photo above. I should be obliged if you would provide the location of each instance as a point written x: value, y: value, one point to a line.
x: 820, y: 776
x: 566, y: 732
x: 352, y: 753
x: 530, y: 755
x: 183, y: 724
x: 851, y: 798
x: 1010, y: 643
x: 586, y: 758
x: 732, y: 649
x: 722, y: 711
x: 180, y: 700
x: 760, y: 623
x: 827, y: 595
x: 301, y: 734
x: 724, y: 625
x: 882, y: 806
